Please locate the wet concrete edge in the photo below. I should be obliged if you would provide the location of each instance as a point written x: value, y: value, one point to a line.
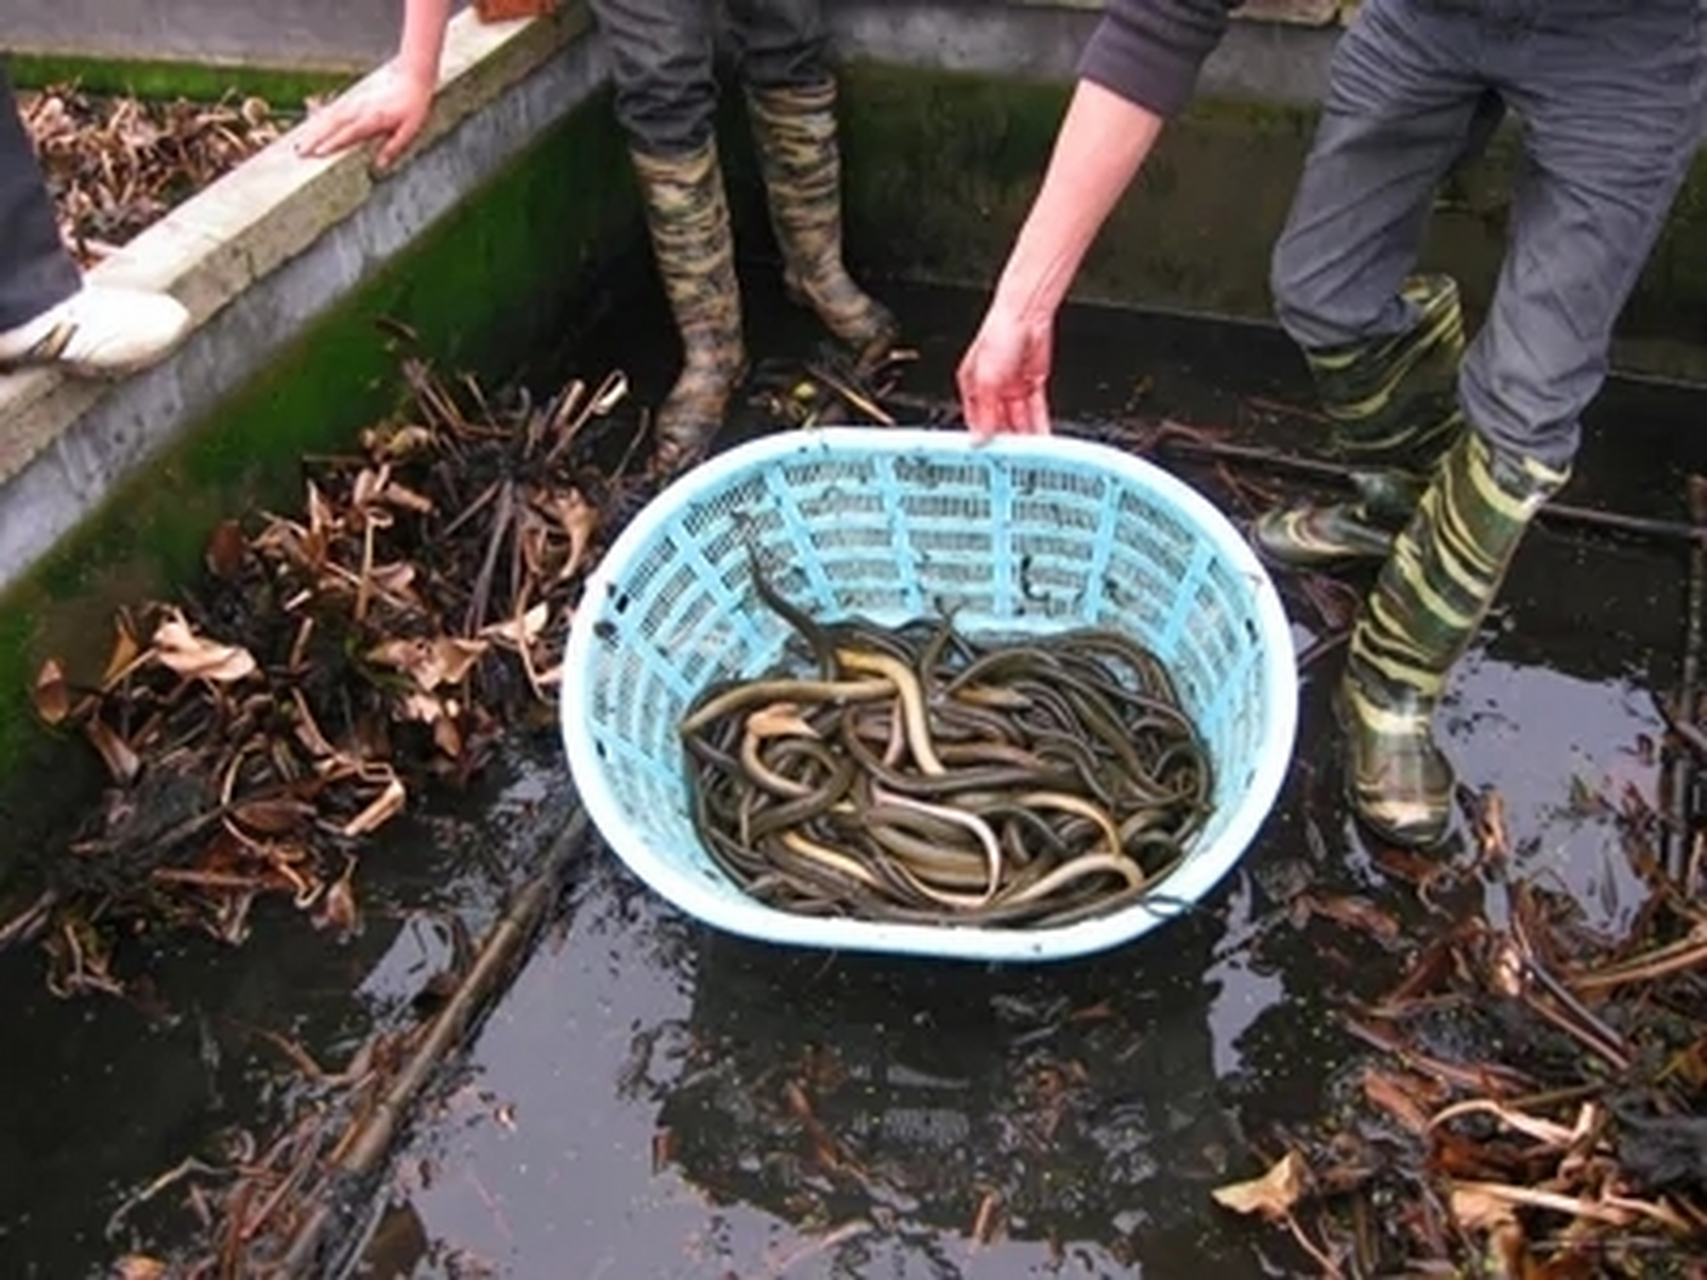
x: 261, y: 253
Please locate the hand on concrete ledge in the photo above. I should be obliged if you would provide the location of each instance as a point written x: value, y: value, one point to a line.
x: 392, y: 104
x: 99, y: 330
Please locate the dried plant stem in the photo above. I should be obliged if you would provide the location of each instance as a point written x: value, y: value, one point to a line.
x: 369, y: 1140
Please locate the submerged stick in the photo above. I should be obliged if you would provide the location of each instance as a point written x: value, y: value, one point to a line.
x: 1184, y: 439
x: 1679, y: 835
x: 369, y: 1138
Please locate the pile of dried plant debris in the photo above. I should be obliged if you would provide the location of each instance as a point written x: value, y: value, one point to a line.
x: 115, y: 165
x: 328, y: 663
x: 1534, y: 1103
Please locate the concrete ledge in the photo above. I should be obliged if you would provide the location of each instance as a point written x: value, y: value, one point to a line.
x: 258, y: 255
x: 1278, y: 54
x: 350, y: 36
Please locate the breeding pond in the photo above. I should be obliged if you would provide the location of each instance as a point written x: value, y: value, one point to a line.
x: 649, y: 1098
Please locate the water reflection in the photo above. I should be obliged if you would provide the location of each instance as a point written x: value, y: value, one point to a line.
x: 1059, y: 1105
x: 655, y: 1099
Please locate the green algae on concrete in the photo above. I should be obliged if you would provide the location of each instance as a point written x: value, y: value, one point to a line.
x: 502, y: 277
x: 941, y: 167
x: 286, y: 90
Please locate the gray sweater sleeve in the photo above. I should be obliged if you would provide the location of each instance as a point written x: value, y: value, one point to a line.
x: 1149, y: 51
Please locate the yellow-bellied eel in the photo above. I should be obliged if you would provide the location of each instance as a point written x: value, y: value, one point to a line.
x: 916, y: 774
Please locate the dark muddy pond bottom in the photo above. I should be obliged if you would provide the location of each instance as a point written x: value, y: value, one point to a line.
x: 651, y: 1099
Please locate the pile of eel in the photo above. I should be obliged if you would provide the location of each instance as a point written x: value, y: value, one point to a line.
x: 918, y: 775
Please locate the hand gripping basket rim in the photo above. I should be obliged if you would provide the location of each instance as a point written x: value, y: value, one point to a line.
x: 687, y: 891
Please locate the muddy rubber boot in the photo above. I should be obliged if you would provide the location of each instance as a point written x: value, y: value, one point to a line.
x: 795, y: 130
x: 1393, y: 405
x: 687, y: 215
x: 1432, y: 595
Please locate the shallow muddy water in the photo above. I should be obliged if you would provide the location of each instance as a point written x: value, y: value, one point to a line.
x: 651, y: 1099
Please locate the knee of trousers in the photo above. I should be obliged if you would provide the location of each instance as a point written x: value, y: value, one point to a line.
x: 1518, y: 418
x: 665, y: 117
x: 1298, y: 285
x: 794, y: 66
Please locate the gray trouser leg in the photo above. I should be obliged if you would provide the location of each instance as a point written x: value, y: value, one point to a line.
x: 1610, y: 97
x: 1611, y: 104
x: 35, y: 270
x: 779, y: 43
x: 1403, y: 97
x: 663, y: 52
x: 662, y: 55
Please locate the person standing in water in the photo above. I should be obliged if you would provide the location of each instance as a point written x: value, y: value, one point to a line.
x: 1457, y: 447
x: 662, y: 61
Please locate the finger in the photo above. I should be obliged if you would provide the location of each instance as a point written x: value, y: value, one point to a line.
x: 1037, y: 412
x: 346, y: 133
x: 320, y: 143
x: 309, y: 135
x: 971, y: 400
x: 977, y: 417
x: 402, y: 138
x: 390, y: 150
x: 1014, y: 417
x: 983, y: 415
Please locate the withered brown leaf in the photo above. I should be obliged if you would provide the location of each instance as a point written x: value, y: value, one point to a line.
x: 385, y: 807
x: 226, y: 550
x: 121, y: 761
x: 139, y: 1266
x: 1400, y: 1096
x: 1273, y: 1195
x: 178, y: 647
x: 52, y: 693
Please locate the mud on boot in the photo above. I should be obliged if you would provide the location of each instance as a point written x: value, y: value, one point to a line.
x: 687, y: 215
x: 1392, y: 403
x: 795, y: 132
x: 1433, y: 593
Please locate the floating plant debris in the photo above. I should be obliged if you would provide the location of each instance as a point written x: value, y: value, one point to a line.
x: 115, y: 165
x: 327, y: 665
x: 918, y: 775
x: 1534, y: 1096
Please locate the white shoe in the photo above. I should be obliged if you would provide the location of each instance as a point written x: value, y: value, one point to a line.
x: 99, y: 330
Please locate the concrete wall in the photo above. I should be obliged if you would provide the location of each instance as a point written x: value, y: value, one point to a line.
x: 107, y: 490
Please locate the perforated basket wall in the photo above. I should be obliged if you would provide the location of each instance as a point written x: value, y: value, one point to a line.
x: 1023, y: 534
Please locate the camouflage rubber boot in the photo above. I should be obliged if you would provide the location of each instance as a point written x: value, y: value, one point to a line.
x: 1393, y: 405
x: 1433, y: 592
x: 796, y: 134
x: 688, y: 217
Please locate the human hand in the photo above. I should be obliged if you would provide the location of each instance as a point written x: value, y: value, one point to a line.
x: 1004, y: 375
x: 391, y: 104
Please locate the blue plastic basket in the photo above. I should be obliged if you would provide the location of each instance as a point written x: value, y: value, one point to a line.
x: 1024, y: 534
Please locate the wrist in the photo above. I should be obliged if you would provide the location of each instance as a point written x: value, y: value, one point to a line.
x: 418, y: 71
x: 1025, y: 301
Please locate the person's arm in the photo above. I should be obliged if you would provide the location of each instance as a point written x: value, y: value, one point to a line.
x: 393, y: 103
x: 1139, y: 69
x: 422, y: 44
x: 1103, y: 142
